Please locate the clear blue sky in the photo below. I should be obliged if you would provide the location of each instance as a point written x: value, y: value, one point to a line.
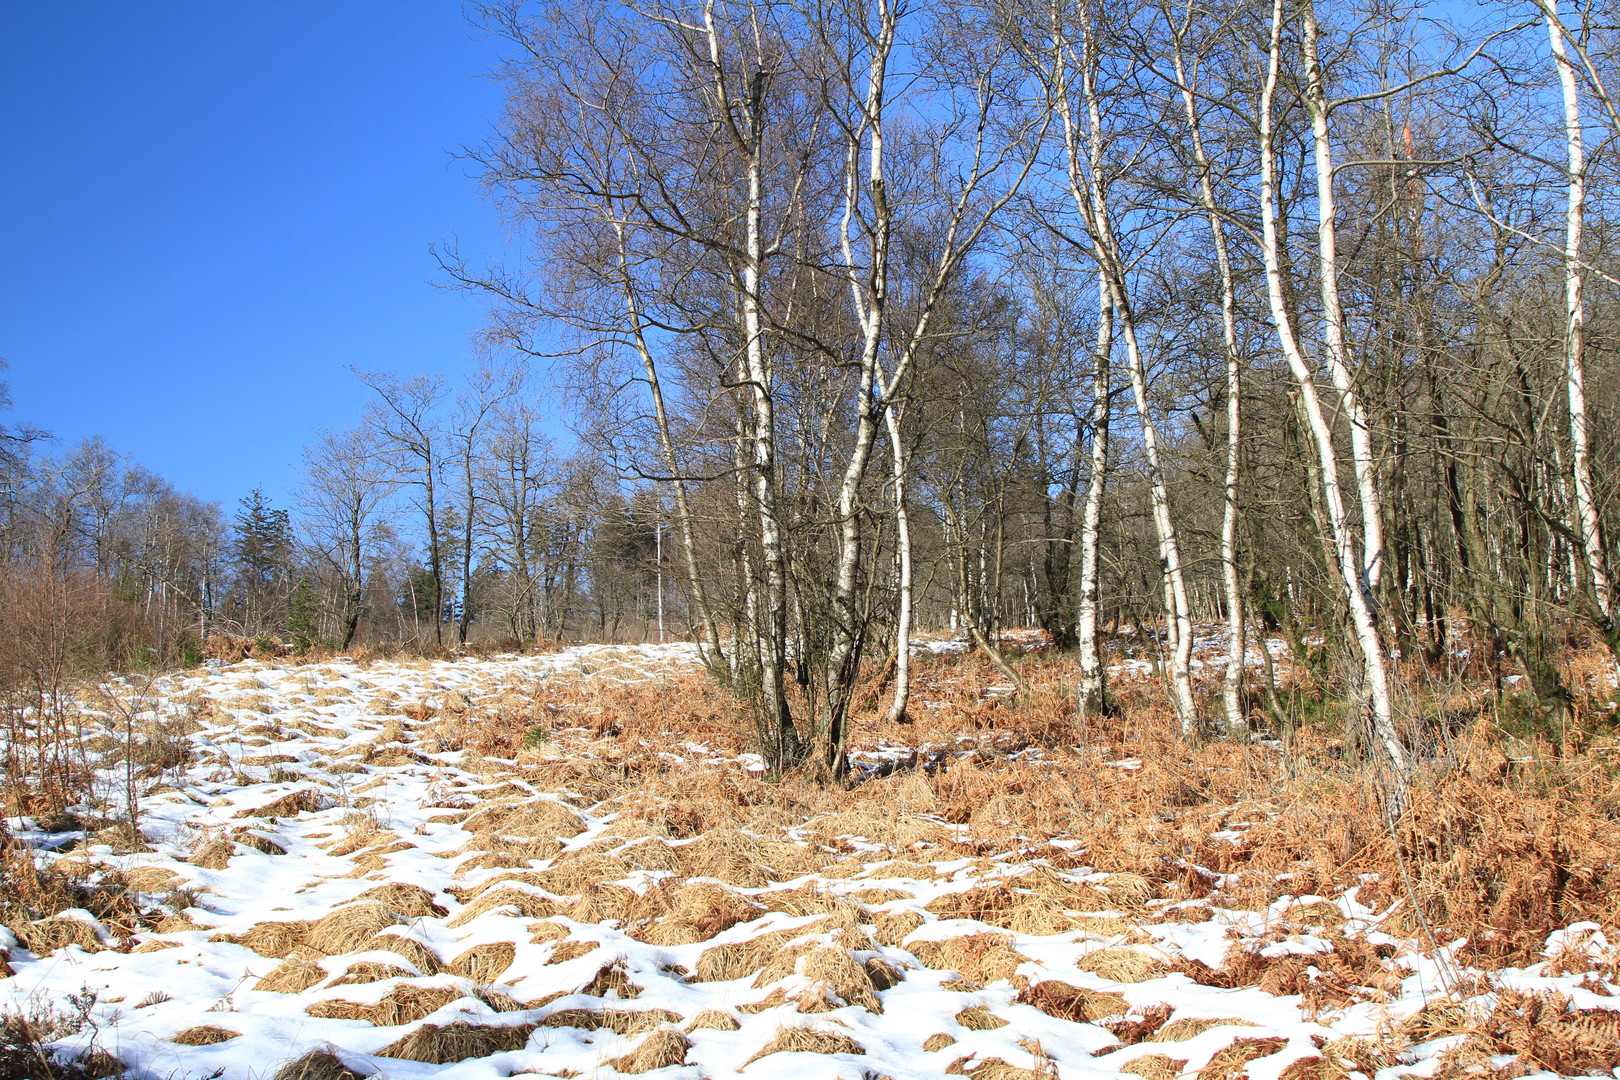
x: 208, y: 210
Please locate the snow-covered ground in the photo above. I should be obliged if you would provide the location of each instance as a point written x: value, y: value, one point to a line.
x: 330, y: 875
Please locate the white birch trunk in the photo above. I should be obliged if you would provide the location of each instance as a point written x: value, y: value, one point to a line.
x: 1092, y: 205
x: 1333, y: 332
x: 1350, y: 567
x: 1232, y: 688
x: 709, y: 640
x: 902, y: 542
x: 771, y: 624
x: 1093, y: 691
x: 1586, y: 515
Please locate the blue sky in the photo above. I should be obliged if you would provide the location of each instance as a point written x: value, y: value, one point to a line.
x: 209, y: 210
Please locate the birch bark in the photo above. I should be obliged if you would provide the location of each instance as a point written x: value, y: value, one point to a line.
x: 1093, y: 691
x: 1586, y: 515
x: 1232, y: 688
x: 1351, y: 568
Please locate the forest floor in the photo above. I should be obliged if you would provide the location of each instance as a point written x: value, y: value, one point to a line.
x: 569, y: 865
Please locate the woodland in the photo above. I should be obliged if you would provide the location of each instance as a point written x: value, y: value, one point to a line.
x: 1091, y: 521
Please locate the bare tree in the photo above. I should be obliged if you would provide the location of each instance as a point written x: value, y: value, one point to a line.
x: 347, y: 483
x: 404, y: 416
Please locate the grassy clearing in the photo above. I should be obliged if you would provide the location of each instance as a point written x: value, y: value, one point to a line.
x: 1008, y: 890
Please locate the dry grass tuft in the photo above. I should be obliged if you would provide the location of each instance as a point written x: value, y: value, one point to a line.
x: 994, y: 1069
x: 405, y: 1004
x: 151, y: 879
x: 611, y: 979
x: 835, y: 980
x: 1190, y: 1027
x: 802, y: 1040
x: 731, y: 856
x: 978, y: 958
x: 542, y: 932
x: 578, y: 875
x: 938, y: 1041
x: 1067, y: 1002
x: 979, y: 1018
x: 369, y: 971
x: 605, y: 903
x: 660, y: 1050
x: 418, y: 955
x: 882, y: 974
x: 1122, y: 965
x: 434, y: 1044
x: 736, y: 959
x: 1154, y: 1067
x: 273, y: 940
x: 408, y: 901
x: 526, y: 904
x: 58, y: 932
x: 694, y: 912
x: 619, y: 1021
x: 893, y: 927
x: 1231, y: 1062
x: 714, y: 1020
x: 317, y: 1065
x: 291, y: 805
x: 293, y: 975
x: 350, y: 928
x: 564, y: 951
x: 205, y: 1035
x: 485, y: 963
